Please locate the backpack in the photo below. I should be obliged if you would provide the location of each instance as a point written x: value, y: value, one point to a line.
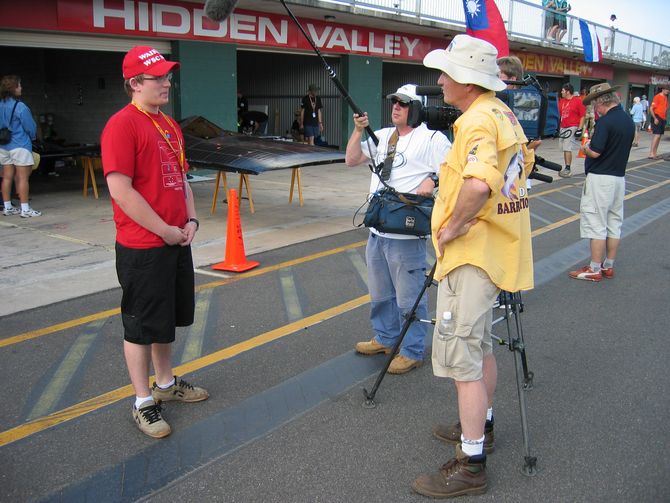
x: 5, y: 132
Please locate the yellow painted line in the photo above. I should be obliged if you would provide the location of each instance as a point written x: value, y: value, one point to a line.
x: 112, y: 312
x: 77, y: 410
x: 575, y: 217
x: 57, y: 328
x: 288, y: 263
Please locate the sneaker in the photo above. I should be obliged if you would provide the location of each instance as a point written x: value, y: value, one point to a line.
x: 180, y: 391
x: 459, y: 476
x: 586, y: 273
x: 11, y: 211
x: 150, y: 421
x: 30, y: 213
x: 451, y: 433
x: 565, y: 173
x: 371, y: 347
x: 401, y: 365
x: 607, y: 273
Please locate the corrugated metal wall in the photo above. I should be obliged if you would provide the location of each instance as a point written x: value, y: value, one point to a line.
x: 279, y: 81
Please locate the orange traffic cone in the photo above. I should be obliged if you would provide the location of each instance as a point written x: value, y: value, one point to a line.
x: 585, y: 139
x: 235, y: 259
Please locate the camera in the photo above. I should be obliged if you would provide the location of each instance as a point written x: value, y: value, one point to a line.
x: 436, y: 118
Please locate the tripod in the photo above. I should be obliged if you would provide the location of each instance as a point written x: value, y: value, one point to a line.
x: 513, y: 307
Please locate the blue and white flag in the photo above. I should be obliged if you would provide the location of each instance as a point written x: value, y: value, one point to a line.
x: 592, y: 51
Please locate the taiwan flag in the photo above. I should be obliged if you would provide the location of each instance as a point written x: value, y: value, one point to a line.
x: 483, y: 20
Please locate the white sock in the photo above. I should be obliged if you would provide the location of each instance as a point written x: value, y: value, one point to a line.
x: 166, y: 386
x: 608, y: 264
x: 472, y: 447
x: 489, y: 413
x: 595, y: 266
x: 25, y: 206
x: 8, y: 205
x: 139, y: 401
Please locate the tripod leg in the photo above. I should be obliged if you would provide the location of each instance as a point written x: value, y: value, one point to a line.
x: 409, y: 319
x: 523, y: 378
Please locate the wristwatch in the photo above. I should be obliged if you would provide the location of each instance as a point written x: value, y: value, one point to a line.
x: 435, y: 179
x: 195, y: 221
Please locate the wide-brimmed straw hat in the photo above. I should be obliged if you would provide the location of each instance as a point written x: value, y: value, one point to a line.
x: 468, y: 60
x: 597, y: 91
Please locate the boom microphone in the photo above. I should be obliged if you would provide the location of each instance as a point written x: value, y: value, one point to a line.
x: 219, y: 10
x: 541, y: 161
x: 429, y: 90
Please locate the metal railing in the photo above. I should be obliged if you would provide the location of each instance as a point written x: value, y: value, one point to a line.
x: 525, y: 21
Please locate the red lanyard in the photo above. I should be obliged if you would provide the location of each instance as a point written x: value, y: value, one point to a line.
x: 178, y: 154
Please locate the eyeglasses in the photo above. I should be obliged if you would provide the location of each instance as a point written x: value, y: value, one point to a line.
x: 161, y: 80
x: 402, y: 104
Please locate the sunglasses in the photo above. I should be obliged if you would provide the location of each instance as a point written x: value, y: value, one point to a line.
x: 402, y: 104
x: 162, y: 79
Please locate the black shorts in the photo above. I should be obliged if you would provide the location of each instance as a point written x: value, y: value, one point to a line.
x: 658, y: 128
x: 158, y: 292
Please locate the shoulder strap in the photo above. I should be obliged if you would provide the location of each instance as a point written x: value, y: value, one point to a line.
x: 9, y: 124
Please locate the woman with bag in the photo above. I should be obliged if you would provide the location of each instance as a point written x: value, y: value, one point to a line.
x: 16, y: 156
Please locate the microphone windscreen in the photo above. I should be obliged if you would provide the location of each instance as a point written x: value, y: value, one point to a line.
x: 429, y: 90
x: 219, y: 10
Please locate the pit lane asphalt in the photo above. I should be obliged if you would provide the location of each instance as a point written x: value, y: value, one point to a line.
x: 598, y: 353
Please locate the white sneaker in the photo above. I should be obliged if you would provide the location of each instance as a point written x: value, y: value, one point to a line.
x: 11, y: 211
x: 30, y: 213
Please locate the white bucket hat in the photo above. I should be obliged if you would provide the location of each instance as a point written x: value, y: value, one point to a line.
x: 405, y: 94
x: 468, y: 60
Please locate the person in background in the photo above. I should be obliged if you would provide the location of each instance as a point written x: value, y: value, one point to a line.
x: 397, y: 262
x: 589, y: 115
x: 242, y: 108
x: 638, y: 118
x: 563, y: 8
x: 156, y: 222
x: 609, y: 40
x: 645, y: 111
x: 572, y: 119
x: 16, y: 156
x: 601, y: 206
x: 550, y: 19
x: 311, y: 118
x: 511, y: 68
x: 659, y: 114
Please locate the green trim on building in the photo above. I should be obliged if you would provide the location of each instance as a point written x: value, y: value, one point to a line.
x: 361, y: 76
x: 206, y: 82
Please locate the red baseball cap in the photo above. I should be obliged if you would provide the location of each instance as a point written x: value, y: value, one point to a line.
x: 144, y: 59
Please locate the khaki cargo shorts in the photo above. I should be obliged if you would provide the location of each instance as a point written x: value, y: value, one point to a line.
x: 469, y: 294
x: 601, y: 207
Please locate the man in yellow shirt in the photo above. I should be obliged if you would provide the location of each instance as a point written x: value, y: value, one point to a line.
x: 481, y: 234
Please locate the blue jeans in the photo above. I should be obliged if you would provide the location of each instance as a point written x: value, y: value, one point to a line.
x: 396, y: 274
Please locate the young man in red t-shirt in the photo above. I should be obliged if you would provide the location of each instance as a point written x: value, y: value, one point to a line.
x: 659, y: 116
x: 572, y: 119
x: 145, y: 169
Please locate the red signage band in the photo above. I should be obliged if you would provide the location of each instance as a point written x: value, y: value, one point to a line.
x: 180, y: 20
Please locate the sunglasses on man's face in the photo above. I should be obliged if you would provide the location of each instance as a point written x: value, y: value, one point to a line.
x: 396, y: 101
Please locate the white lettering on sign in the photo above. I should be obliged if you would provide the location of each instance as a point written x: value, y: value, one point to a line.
x: 168, y: 19
x: 127, y: 14
x: 410, y: 44
x: 160, y: 24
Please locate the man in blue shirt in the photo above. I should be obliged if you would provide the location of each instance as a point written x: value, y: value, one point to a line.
x: 601, y: 208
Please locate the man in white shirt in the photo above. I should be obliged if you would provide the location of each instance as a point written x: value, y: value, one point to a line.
x: 397, y: 262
